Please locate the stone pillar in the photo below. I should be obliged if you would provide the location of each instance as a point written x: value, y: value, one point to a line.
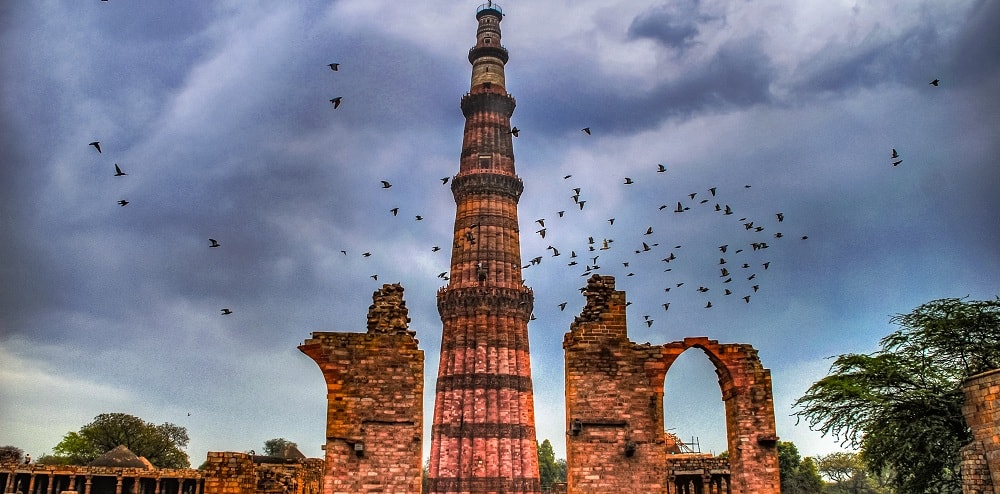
x: 981, y: 457
x: 90, y: 482
x: 374, y: 428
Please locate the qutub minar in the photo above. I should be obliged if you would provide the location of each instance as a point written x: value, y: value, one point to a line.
x: 483, y: 435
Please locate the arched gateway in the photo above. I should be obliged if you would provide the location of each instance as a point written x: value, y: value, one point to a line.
x: 614, y: 410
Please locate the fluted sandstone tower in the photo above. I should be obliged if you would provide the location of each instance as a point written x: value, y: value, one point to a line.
x: 483, y: 436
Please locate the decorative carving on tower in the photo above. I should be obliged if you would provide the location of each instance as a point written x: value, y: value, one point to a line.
x: 483, y: 435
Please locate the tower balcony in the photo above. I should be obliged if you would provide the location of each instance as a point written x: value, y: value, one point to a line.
x: 495, y: 51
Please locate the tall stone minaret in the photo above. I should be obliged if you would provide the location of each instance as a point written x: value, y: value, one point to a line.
x: 483, y: 437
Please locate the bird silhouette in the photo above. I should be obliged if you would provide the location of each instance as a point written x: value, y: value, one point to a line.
x: 586, y: 129
x: 562, y: 306
x: 214, y: 242
x: 781, y: 217
x: 897, y: 162
x: 97, y: 145
x: 366, y: 254
x: 649, y: 231
x: 934, y: 83
x: 541, y: 222
x: 119, y: 172
x: 419, y: 218
x: 444, y: 181
x: 123, y: 203
x: 374, y: 277
x: 386, y: 185
x: 394, y: 211
x: 515, y: 131
x: 712, y: 190
x: 894, y: 154
x: 435, y: 248
x: 333, y: 66
x: 660, y: 168
x: 336, y: 102
x: 226, y: 311
x: 628, y: 181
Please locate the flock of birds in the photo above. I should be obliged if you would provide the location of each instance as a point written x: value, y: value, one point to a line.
x: 741, y: 264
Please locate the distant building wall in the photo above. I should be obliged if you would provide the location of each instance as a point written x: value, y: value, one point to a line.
x: 614, y: 408
x: 981, y: 458
x: 374, y: 384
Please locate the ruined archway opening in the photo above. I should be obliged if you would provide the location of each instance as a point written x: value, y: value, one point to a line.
x: 693, y: 410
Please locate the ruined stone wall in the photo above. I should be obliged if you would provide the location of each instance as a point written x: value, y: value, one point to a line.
x: 981, y: 458
x: 614, y: 405
x: 229, y: 472
x: 374, y: 401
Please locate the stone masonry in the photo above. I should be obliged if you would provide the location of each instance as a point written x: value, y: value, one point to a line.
x: 374, y: 401
x: 981, y: 457
x: 614, y: 407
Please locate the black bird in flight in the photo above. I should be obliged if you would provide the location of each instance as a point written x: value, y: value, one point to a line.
x: 226, y: 311
x: 214, y: 242
x: 541, y: 222
x: 336, y: 102
x: 435, y: 248
x: 419, y: 217
x: 386, y: 185
x: 395, y: 211
x: 586, y: 129
x: 123, y: 203
x: 119, y: 172
x: 712, y: 190
x: 97, y: 145
x: 374, y: 277
x: 628, y: 181
x: 897, y: 162
x: 660, y: 168
x: 934, y: 82
x: 366, y: 254
x: 444, y: 181
x: 333, y: 66
x: 894, y: 154
x: 562, y: 306
x: 781, y: 217
x: 514, y: 131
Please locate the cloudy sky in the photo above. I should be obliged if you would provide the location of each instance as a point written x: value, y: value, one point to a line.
x: 218, y: 113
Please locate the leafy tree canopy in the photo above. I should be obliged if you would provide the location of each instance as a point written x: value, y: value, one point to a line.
x: 276, y: 446
x: 798, y: 475
x: 11, y: 454
x: 161, y: 444
x: 902, y: 405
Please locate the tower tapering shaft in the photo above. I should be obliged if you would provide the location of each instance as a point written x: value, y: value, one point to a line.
x: 483, y: 435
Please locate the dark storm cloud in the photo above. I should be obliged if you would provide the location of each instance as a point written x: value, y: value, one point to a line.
x: 738, y: 75
x: 674, y: 26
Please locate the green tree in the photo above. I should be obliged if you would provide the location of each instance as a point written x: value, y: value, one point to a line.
x: 276, y: 446
x: 161, y: 444
x: 11, y: 454
x: 798, y: 475
x: 849, y: 474
x: 902, y: 404
x: 548, y: 471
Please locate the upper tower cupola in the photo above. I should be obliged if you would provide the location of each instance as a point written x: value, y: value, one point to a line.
x: 488, y: 56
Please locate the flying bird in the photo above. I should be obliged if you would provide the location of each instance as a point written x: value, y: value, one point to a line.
x: 541, y: 222
x: 562, y: 306
x: 123, y: 203
x: 226, y: 311
x: 586, y: 129
x: 394, y: 211
x: 333, y: 66
x: 894, y: 154
x: 386, y: 185
x: 566, y: 176
x: 374, y: 277
x: 366, y: 254
x: 419, y: 217
x: 649, y: 231
x: 781, y: 217
x: 515, y: 131
x: 628, y: 181
x: 934, y: 82
x: 444, y: 180
x: 336, y: 102
x: 660, y: 168
x: 712, y: 190
x: 435, y: 248
x: 119, y: 172
x: 97, y: 145
x: 897, y: 162
x: 214, y: 242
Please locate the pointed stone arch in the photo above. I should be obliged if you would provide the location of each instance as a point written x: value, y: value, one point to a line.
x: 614, y: 408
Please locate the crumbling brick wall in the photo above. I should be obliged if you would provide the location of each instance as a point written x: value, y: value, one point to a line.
x: 614, y: 404
x: 375, y: 401
x: 229, y: 472
x: 981, y: 457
